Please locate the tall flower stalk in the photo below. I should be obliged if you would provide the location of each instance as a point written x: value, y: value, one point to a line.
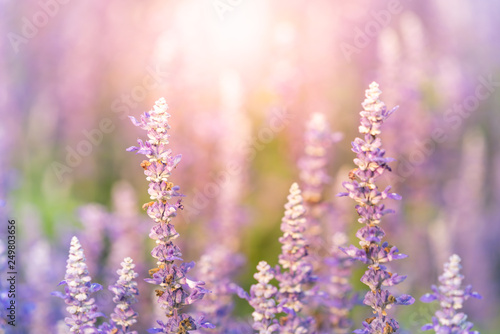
x: 451, y: 297
x: 295, y: 273
x: 175, y: 290
x: 339, y: 299
x: 262, y: 299
x: 314, y: 178
x: 78, y: 290
x: 318, y: 139
x: 371, y: 164
x: 333, y: 277
x: 221, y: 262
x: 125, y: 291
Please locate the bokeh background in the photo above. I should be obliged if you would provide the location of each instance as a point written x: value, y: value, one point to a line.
x: 241, y: 79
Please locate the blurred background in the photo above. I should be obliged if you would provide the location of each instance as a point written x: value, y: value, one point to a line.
x: 242, y: 78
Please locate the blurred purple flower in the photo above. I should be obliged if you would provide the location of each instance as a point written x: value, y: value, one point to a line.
x: 95, y: 218
x: 313, y: 175
x: 338, y: 296
x: 78, y: 289
x: 262, y: 299
x: 218, y: 266
x: 451, y: 297
x: 222, y: 261
x: 125, y: 291
x: 176, y: 290
x: 372, y: 163
x: 295, y: 275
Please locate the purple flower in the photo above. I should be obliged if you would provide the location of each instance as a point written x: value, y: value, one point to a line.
x: 318, y: 140
x: 337, y: 296
x: 314, y: 178
x: 371, y: 164
x: 95, y: 219
x: 218, y: 266
x: 125, y: 291
x: 78, y: 290
x: 176, y: 290
x: 451, y: 297
x: 222, y: 262
x: 295, y: 275
x: 313, y: 175
x: 262, y: 299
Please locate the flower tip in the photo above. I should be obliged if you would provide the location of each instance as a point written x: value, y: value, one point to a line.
x: 395, y: 196
x: 206, y: 324
x: 428, y: 297
x: 427, y: 327
x: 132, y: 149
x: 476, y: 295
x: 58, y: 294
x: 405, y: 300
x: 95, y: 287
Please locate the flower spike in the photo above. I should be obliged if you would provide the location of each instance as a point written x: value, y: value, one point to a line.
x: 372, y: 163
x: 175, y: 289
x: 451, y: 297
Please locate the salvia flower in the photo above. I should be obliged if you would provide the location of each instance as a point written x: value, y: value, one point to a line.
x: 176, y: 290
x: 77, y: 294
x: 218, y: 266
x: 338, y: 298
x: 296, y: 273
x: 125, y: 291
x: 371, y: 164
x: 314, y: 177
x: 262, y: 299
x: 451, y: 297
x: 318, y: 138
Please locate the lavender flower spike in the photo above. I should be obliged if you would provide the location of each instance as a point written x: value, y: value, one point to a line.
x: 125, y: 291
x: 296, y: 274
x: 176, y: 290
x: 339, y: 298
x: 451, y: 297
x: 78, y: 289
x: 262, y: 300
x: 313, y: 174
x: 372, y: 163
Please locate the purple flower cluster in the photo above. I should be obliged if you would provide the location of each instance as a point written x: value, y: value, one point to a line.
x: 296, y: 272
x: 333, y: 286
x: 125, y: 291
x: 302, y: 303
x: 217, y: 267
x: 78, y: 289
x: 262, y: 299
x: 451, y: 297
x: 338, y: 294
x: 314, y: 177
x: 371, y: 164
x: 318, y: 139
x: 176, y: 290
